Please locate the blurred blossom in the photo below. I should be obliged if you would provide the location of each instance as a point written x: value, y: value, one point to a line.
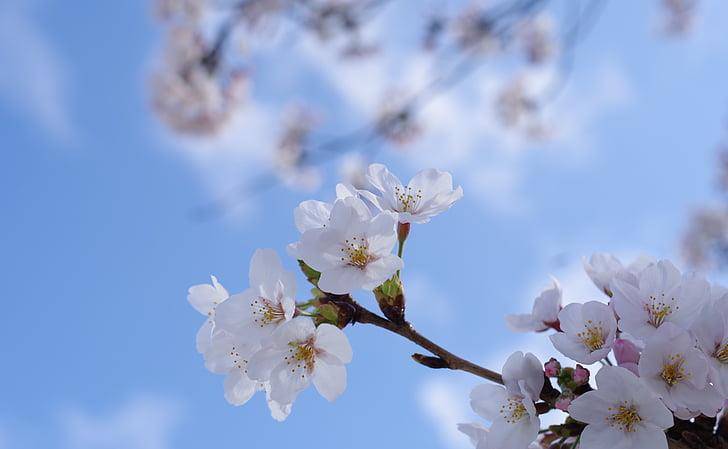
x: 537, y: 39
x: 196, y: 101
x: 182, y: 10
x: 518, y: 109
x: 291, y: 150
x: 352, y: 170
x: 474, y: 32
x: 705, y: 244
x: 723, y: 167
x: 678, y: 16
x: 433, y: 32
x: 396, y: 120
x: 252, y: 12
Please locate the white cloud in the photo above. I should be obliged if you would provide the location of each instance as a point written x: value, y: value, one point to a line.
x: 446, y: 404
x: 425, y: 302
x: 143, y: 422
x: 462, y: 131
x: 35, y: 77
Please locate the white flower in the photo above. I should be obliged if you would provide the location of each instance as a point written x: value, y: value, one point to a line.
x: 205, y: 298
x: 300, y: 353
x: 545, y: 312
x: 429, y: 193
x: 353, y: 251
x: 711, y: 332
x: 621, y: 413
x: 514, y: 419
x: 603, y: 268
x: 523, y: 374
x: 661, y: 295
x: 477, y: 433
x: 677, y: 372
x: 313, y: 214
x: 254, y: 314
x: 229, y: 355
x: 589, y: 331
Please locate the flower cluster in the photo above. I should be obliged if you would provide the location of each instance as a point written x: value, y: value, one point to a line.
x: 263, y: 339
x: 657, y: 339
x: 668, y: 333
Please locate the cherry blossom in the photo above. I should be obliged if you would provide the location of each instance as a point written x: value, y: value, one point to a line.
x: 545, y: 312
x: 229, y: 355
x: 300, y: 353
x: 621, y: 413
x: 429, y: 193
x: 627, y: 354
x: 514, y: 419
x: 352, y: 251
x: 603, y: 268
x: 589, y: 331
x: 661, y: 295
x: 205, y: 298
x: 523, y: 374
x: 676, y: 371
x: 256, y: 313
x: 711, y: 332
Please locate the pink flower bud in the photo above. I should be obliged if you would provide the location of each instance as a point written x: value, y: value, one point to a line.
x: 626, y: 352
x: 563, y: 403
x: 552, y: 368
x: 581, y: 375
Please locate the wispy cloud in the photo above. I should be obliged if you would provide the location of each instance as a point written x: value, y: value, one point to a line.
x: 143, y: 422
x: 34, y: 79
x: 445, y: 403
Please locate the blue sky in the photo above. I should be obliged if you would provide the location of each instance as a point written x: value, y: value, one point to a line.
x: 98, y: 248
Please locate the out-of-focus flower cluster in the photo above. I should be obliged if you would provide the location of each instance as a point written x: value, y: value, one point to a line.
x: 705, y: 241
x: 678, y: 16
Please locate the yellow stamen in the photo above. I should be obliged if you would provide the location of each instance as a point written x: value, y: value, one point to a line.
x: 673, y: 371
x: 624, y: 417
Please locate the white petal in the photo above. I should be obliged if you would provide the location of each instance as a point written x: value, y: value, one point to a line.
x: 263, y: 362
x: 523, y: 323
x: 475, y: 431
x: 204, y: 297
x: 265, y: 269
x: 333, y: 340
x: 239, y: 388
x: 329, y: 379
x: 311, y: 214
x: 602, y: 436
x: 486, y: 400
x: 204, y: 335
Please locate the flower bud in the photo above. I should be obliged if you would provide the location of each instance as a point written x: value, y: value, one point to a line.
x: 581, y: 375
x: 625, y: 352
x: 563, y: 402
x: 552, y: 368
x: 390, y: 297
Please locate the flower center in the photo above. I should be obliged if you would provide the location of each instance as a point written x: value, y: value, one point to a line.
x: 356, y: 252
x: 624, y: 417
x: 721, y: 353
x: 592, y: 336
x: 266, y: 312
x: 408, y: 198
x: 659, y: 309
x: 673, y: 371
x: 513, y: 410
x: 301, y: 357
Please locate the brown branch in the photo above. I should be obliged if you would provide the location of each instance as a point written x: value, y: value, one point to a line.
x: 446, y: 358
